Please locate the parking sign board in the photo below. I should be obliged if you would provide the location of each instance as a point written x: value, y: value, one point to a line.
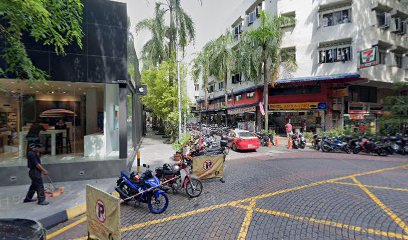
x: 103, y: 214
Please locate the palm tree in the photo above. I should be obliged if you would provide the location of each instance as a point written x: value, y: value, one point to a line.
x: 154, y: 51
x: 223, y: 58
x: 201, y: 66
x: 180, y: 23
x: 260, y: 54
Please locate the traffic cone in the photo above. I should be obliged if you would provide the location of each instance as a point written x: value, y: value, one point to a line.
x: 276, y: 141
x: 269, y: 142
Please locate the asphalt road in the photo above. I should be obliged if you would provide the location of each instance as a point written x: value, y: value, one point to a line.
x: 280, y: 194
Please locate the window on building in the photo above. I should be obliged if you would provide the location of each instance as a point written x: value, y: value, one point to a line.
x: 211, y: 88
x: 258, y: 10
x: 236, y: 78
x: 197, y: 87
x: 251, y: 18
x: 289, y: 20
x: 293, y: 91
x: 221, y: 85
x: 363, y: 94
x: 398, y: 60
x: 238, y: 97
x: 382, y: 56
x: 335, y: 54
x: 237, y: 31
x: 250, y: 95
x: 383, y: 19
x: 288, y: 53
x: 336, y: 17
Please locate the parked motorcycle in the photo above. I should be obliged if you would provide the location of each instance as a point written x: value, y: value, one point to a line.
x: 145, y: 189
x: 178, y: 177
x: 368, y: 146
x: 316, y: 142
x: 334, y: 145
x: 298, y: 141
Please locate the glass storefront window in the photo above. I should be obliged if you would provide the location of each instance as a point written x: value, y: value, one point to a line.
x: 70, y: 120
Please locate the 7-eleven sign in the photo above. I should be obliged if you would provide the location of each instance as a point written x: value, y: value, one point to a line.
x: 368, y: 57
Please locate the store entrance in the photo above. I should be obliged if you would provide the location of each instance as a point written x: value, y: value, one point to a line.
x: 302, y: 121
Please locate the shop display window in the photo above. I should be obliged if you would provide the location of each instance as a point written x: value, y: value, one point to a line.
x: 71, y: 119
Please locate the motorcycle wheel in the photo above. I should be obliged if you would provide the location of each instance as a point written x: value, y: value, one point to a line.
x: 302, y: 146
x: 194, y: 188
x: 234, y: 148
x: 356, y: 150
x: 325, y: 148
x: 158, y: 205
x: 347, y: 149
x: 382, y: 152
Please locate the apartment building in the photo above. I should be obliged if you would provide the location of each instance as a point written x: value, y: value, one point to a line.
x: 331, y: 86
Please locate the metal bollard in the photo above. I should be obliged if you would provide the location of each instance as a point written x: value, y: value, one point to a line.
x: 138, y: 162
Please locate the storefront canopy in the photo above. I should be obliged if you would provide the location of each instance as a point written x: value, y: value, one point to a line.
x: 319, y: 78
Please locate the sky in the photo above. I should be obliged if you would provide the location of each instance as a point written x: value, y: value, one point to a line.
x: 211, y: 19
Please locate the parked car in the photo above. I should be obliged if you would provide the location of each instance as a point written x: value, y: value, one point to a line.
x: 14, y: 228
x: 243, y: 140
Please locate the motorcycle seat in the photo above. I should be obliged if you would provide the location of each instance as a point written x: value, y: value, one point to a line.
x: 393, y: 138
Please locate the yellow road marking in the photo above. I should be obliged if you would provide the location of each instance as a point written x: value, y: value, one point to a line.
x: 333, y: 224
x: 234, y: 203
x: 247, y: 220
x: 76, y: 211
x: 66, y: 228
x: 370, y: 186
x: 387, y: 210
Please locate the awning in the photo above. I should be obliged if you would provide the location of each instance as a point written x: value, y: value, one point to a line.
x: 319, y: 78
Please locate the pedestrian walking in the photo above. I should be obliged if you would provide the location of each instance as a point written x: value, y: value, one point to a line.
x: 288, y: 129
x: 35, y: 172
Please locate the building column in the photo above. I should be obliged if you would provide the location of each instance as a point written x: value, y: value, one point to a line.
x: 122, y: 121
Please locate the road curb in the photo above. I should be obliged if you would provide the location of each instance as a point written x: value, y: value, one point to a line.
x: 63, y: 216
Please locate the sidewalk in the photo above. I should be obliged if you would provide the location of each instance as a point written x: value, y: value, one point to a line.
x: 72, y: 202
x: 154, y: 152
x: 12, y: 206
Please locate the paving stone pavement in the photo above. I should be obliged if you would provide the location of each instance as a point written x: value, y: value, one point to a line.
x: 284, y: 195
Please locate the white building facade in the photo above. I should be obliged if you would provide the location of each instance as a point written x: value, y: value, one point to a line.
x: 326, y: 39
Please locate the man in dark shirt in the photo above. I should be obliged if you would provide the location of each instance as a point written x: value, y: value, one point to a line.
x: 36, y: 169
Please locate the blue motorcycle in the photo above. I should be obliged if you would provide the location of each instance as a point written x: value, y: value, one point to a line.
x: 145, y: 189
x: 334, y: 145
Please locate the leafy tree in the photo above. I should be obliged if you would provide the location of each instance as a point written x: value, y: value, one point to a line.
x: 395, y: 119
x: 154, y: 51
x: 260, y: 54
x: 161, y: 94
x: 54, y: 23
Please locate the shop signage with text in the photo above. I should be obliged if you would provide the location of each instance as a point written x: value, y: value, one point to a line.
x: 241, y: 110
x: 298, y: 106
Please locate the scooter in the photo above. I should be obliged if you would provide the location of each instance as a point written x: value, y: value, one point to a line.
x: 145, y: 189
x: 178, y: 177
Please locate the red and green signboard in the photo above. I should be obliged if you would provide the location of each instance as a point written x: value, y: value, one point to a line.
x: 368, y: 57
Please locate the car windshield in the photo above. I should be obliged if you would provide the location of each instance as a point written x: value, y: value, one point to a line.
x: 245, y: 134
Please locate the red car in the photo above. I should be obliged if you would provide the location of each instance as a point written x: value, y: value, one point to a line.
x: 243, y: 140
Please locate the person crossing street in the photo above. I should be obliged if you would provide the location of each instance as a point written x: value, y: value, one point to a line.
x: 35, y: 172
